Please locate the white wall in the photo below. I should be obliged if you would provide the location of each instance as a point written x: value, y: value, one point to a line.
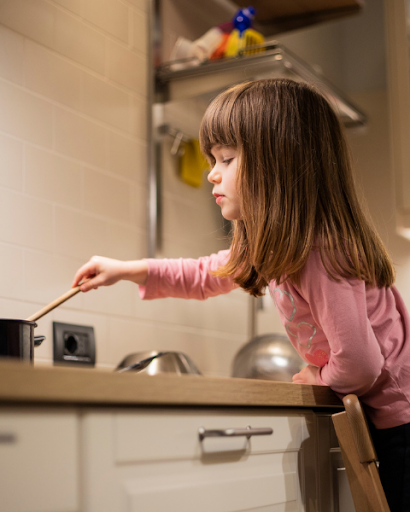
x: 73, y: 102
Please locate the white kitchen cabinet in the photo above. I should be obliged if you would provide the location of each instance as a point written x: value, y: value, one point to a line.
x: 151, y: 460
x: 39, y: 464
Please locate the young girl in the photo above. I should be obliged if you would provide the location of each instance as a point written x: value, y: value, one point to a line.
x: 280, y: 171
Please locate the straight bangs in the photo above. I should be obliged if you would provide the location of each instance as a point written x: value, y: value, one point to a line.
x: 220, y: 124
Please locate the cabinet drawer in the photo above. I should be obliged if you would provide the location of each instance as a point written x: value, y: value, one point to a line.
x: 173, y: 434
x: 38, y: 461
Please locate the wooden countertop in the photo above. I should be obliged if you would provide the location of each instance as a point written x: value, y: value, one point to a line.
x: 23, y: 383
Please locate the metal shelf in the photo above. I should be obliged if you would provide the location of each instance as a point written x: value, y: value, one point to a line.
x: 206, y: 80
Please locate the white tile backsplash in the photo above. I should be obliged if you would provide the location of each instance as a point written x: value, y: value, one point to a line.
x: 75, y: 6
x: 25, y: 221
x: 25, y: 115
x: 11, y: 55
x: 52, y: 177
x: 127, y: 68
x: 52, y: 76
x: 11, y: 280
x: 79, y: 42
x: 81, y: 138
x: 11, y: 164
x: 35, y: 20
x: 127, y: 157
x: 109, y: 15
x: 107, y: 196
x: 73, y: 183
x: 139, y: 32
x: 79, y: 235
x: 107, y: 103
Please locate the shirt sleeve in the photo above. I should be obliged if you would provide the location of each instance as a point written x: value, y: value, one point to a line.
x: 339, y: 309
x: 186, y: 278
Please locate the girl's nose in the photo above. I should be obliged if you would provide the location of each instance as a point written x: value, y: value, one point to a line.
x: 214, y: 176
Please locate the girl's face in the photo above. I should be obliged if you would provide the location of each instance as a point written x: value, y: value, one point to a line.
x: 223, y: 178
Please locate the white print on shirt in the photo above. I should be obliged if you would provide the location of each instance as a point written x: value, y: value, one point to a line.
x: 309, y: 343
x: 281, y: 293
x: 289, y: 308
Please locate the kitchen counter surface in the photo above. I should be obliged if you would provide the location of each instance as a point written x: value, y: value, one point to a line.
x: 23, y: 383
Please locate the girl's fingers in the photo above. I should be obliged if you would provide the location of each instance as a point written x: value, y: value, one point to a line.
x: 85, y: 272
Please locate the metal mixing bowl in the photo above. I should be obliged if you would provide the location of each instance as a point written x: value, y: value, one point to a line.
x: 267, y: 357
x: 154, y: 362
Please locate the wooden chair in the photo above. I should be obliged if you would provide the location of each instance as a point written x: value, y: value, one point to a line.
x: 359, y: 457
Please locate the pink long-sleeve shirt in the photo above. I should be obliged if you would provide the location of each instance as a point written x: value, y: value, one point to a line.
x: 358, y: 335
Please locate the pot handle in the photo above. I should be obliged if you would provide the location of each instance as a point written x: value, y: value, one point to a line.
x: 38, y: 340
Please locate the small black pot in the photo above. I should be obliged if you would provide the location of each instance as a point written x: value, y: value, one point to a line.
x: 17, y: 339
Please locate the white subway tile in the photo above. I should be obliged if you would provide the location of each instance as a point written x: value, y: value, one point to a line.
x: 79, y: 235
x: 18, y: 309
x: 139, y: 118
x: 11, y: 275
x: 80, y: 138
x: 106, y: 103
x: 25, y: 115
x: 106, y: 196
x: 140, y: 205
x: 109, y: 15
x: 139, y: 4
x: 123, y: 242
x: 118, y: 299
x: 34, y: 20
x: 11, y: 162
x: 79, y: 42
x: 25, y: 221
x: 188, y: 224
x: 52, y: 76
x: 52, y: 177
x: 127, y: 337
x: 48, y: 276
x: 140, y: 32
x: 127, y: 157
x: 11, y: 55
x: 74, y: 6
x: 127, y: 68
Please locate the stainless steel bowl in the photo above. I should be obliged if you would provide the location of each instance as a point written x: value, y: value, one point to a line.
x: 267, y: 357
x: 153, y: 363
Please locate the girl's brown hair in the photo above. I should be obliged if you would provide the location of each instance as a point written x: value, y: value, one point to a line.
x: 295, y: 185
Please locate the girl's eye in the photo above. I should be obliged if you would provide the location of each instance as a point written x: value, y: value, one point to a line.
x: 227, y: 161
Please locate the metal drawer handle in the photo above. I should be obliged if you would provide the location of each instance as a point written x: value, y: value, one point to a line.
x: 234, y: 432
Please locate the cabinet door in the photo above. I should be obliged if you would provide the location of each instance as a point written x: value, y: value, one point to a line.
x: 146, y: 461
x: 38, y: 461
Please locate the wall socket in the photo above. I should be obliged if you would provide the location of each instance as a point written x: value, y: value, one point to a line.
x: 73, y: 344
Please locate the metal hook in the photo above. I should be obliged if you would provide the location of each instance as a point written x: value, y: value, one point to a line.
x: 177, y: 143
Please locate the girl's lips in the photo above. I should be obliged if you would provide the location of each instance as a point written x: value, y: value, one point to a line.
x: 218, y: 198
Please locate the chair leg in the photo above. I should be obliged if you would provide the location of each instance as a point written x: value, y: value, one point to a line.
x: 364, y: 481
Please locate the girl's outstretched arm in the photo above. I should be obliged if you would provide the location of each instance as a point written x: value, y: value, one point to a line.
x: 159, y: 278
x: 186, y: 278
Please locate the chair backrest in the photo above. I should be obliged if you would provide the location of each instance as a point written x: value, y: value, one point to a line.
x: 359, y: 457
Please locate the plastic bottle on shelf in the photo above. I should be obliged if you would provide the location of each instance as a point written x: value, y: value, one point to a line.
x: 243, y: 34
x: 199, y: 50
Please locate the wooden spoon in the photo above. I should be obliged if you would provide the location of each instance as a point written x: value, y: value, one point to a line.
x: 54, y: 304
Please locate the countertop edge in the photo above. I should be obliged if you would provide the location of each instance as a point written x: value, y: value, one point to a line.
x: 23, y: 383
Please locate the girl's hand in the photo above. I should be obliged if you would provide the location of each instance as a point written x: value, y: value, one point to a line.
x: 102, y: 271
x: 306, y: 376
